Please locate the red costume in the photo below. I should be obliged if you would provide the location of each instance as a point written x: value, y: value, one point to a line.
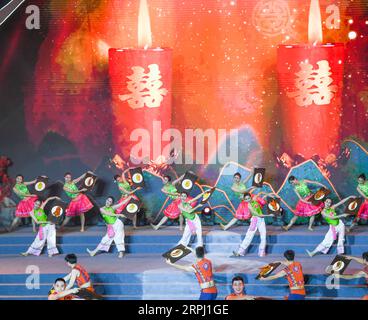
x: 126, y: 199
x: 243, y: 212
x: 295, y: 277
x: 233, y: 296
x: 68, y: 297
x: 203, y: 272
x: 83, y: 277
x: 172, y: 211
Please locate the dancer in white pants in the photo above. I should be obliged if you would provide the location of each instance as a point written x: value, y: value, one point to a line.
x: 46, y: 231
x: 193, y: 222
x: 256, y: 223
x: 115, y: 228
x: 336, y: 228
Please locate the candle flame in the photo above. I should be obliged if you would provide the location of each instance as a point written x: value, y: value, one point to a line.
x: 144, y: 26
x: 315, y: 23
x: 103, y: 48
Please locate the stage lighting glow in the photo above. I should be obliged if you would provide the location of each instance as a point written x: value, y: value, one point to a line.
x: 206, y: 211
x: 352, y: 35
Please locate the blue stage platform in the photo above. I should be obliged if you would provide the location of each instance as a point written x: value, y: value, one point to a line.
x: 143, y: 273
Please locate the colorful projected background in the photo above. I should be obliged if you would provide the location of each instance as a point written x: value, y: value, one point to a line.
x: 55, y: 94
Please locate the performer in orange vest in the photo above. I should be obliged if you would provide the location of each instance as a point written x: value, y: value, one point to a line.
x: 58, y: 291
x: 78, y: 275
x: 203, y: 271
x: 294, y: 274
x: 238, y: 290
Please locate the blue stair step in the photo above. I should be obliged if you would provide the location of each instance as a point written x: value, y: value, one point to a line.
x: 144, y: 275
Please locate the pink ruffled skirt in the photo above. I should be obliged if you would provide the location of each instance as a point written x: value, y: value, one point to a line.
x: 243, y: 212
x: 25, y: 207
x: 363, y: 210
x: 172, y: 211
x: 126, y: 199
x: 307, y: 209
x: 78, y: 205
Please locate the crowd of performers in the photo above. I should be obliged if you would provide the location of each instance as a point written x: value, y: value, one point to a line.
x: 185, y: 208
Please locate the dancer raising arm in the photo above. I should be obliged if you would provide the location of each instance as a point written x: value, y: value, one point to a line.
x: 79, y: 203
x: 193, y: 222
x: 304, y: 208
x: 293, y: 272
x: 362, y: 188
x: 115, y: 229
x: 25, y: 205
x: 46, y: 231
x: 126, y: 194
x: 256, y: 223
x: 336, y: 228
x: 242, y: 212
x: 172, y: 210
x: 202, y: 268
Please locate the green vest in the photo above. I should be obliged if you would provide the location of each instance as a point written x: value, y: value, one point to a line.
x: 22, y: 189
x: 72, y: 187
x: 187, y: 214
x: 364, y: 188
x: 302, y: 189
x: 171, y: 189
x: 332, y: 213
x: 256, y: 208
x: 242, y: 188
x: 109, y: 219
x: 40, y: 216
x: 124, y: 185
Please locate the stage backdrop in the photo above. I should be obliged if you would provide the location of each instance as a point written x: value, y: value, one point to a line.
x: 58, y: 105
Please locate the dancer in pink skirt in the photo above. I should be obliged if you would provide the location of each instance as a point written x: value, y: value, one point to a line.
x: 26, y: 203
x: 304, y: 208
x: 126, y: 194
x: 172, y: 211
x: 242, y: 212
x: 79, y: 203
x: 362, y: 189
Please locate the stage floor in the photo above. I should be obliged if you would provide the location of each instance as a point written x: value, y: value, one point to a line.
x: 142, y: 262
x: 144, y: 266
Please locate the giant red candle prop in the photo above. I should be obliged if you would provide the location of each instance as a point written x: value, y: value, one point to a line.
x: 310, y: 80
x: 140, y: 81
